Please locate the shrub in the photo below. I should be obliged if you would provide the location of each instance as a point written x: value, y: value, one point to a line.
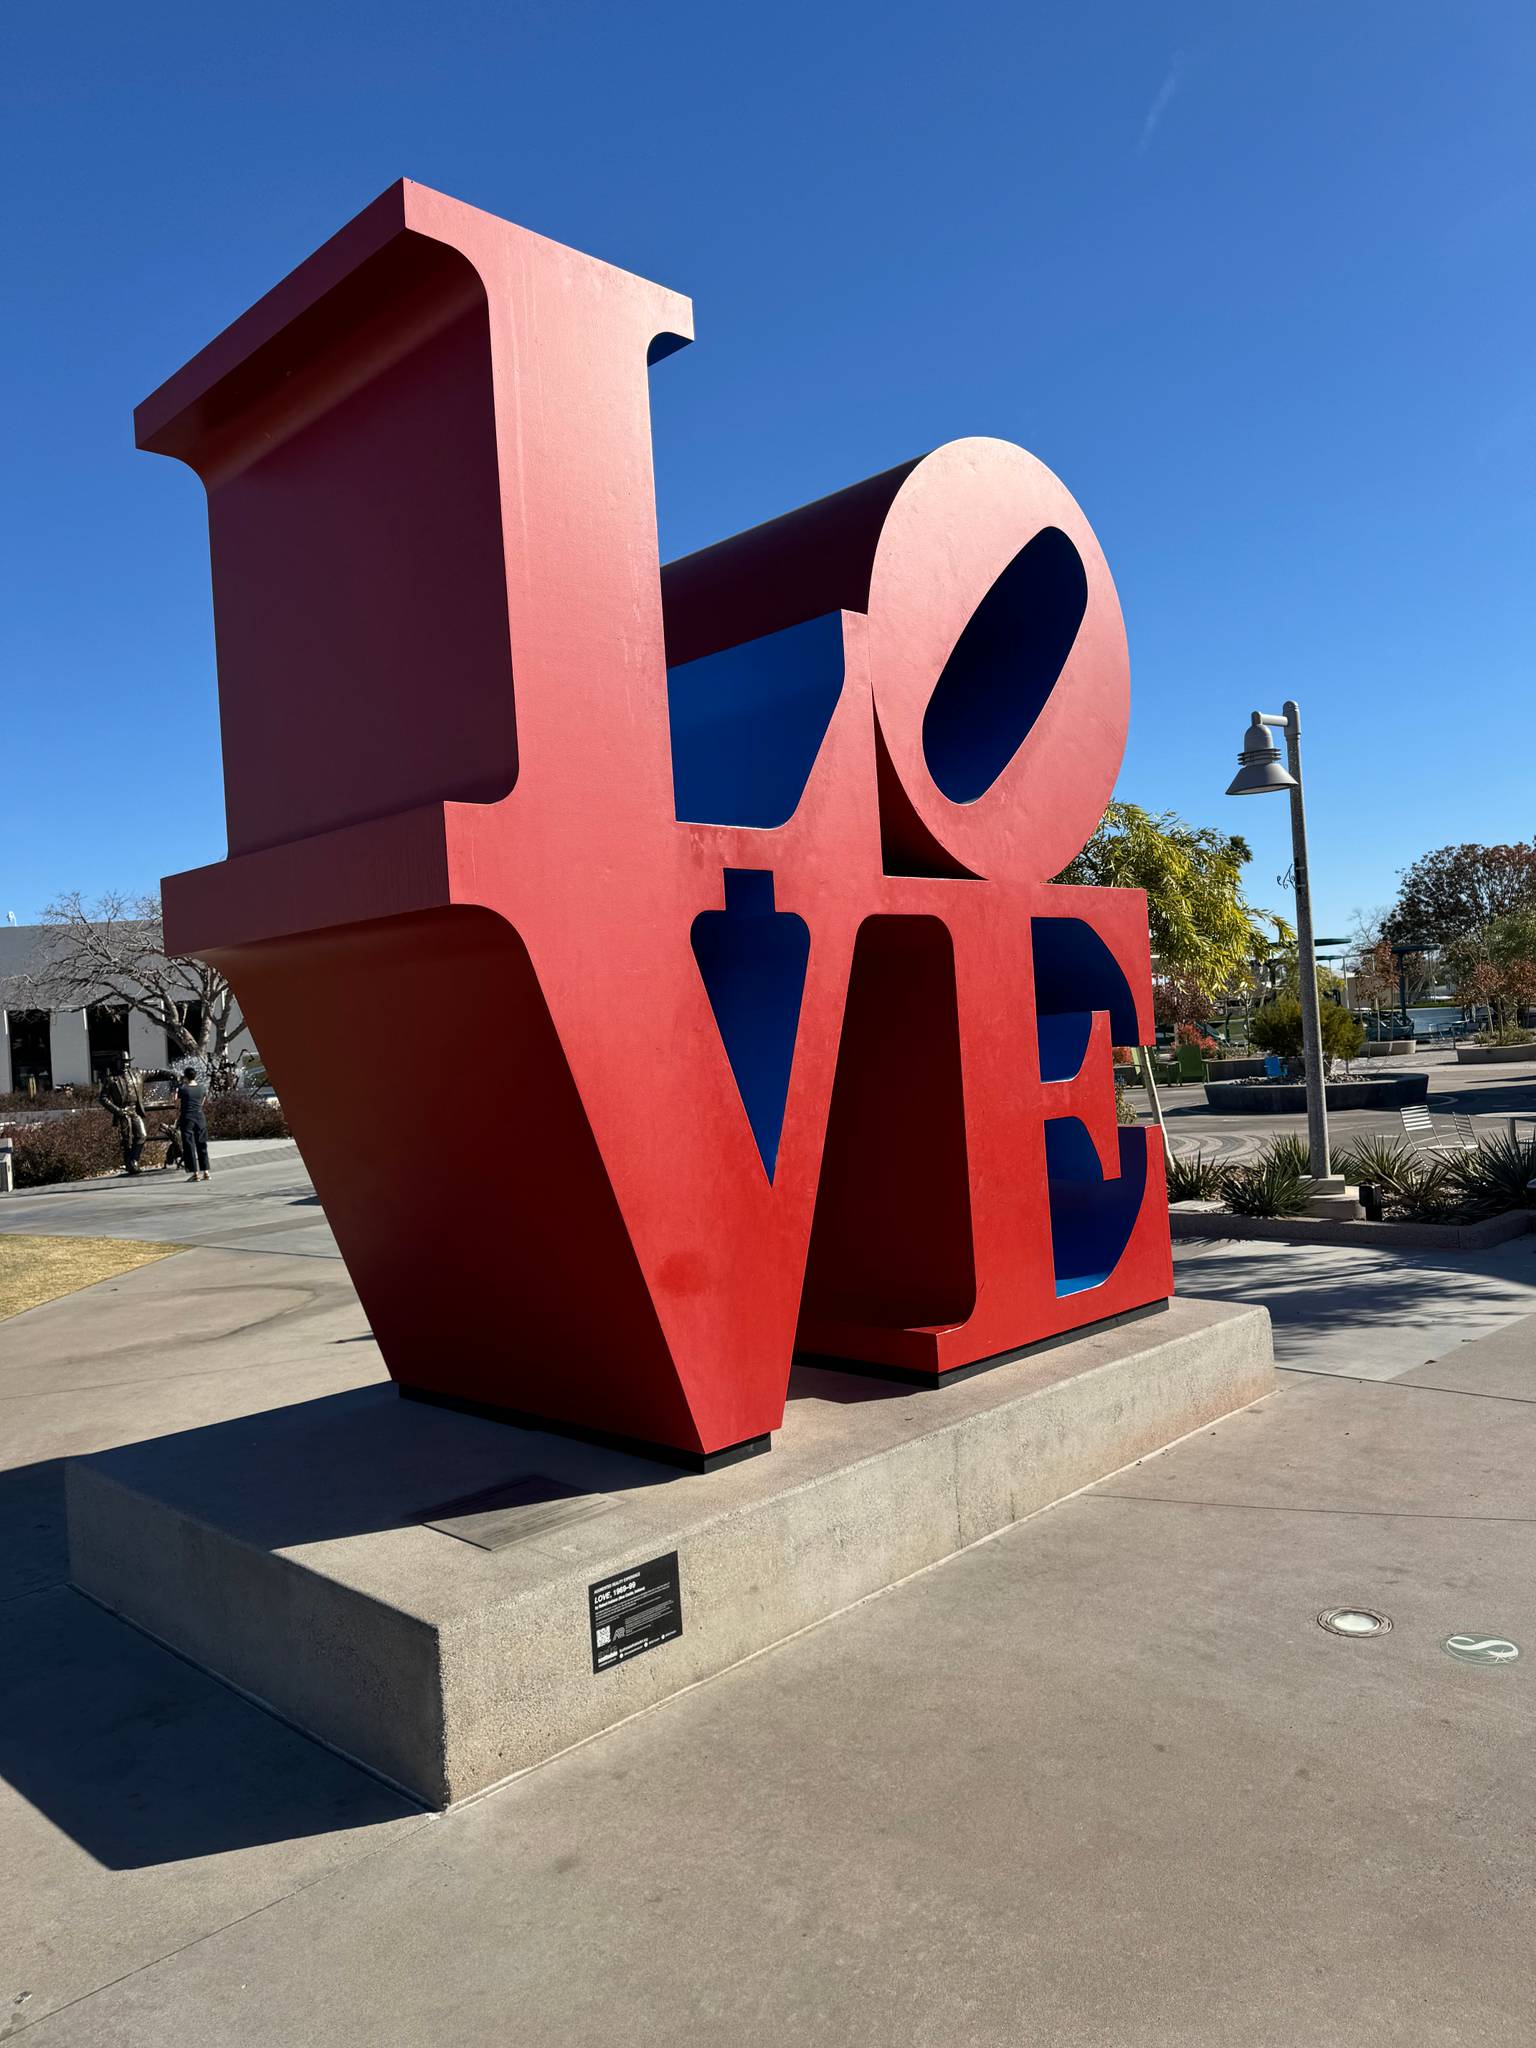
x: 1277, y: 1028
x: 1343, y: 1034
x: 70, y: 1147
x: 1194, y: 1178
x: 1191, y: 1034
x: 1269, y: 1187
x: 244, y: 1116
x: 1506, y: 1034
x: 49, y: 1098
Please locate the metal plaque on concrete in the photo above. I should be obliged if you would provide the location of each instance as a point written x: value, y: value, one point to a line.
x: 634, y: 1611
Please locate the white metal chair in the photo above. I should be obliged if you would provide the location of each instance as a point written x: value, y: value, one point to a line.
x: 1418, y: 1126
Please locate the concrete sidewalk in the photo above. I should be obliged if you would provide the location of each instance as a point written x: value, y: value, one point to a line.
x: 1366, y: 1311
x: 259, y: 1199
x: 1101, y: 1780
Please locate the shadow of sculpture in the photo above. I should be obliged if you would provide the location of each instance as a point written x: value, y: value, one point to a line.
x: 353, y: 1464
x: 1368, y: 1288
x: 141, y: 1759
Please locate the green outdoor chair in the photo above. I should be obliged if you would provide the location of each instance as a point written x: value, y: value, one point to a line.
x: 1162, y: 1069
x: 1191, y: 1063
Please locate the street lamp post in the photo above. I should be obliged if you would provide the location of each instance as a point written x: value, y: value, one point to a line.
x: 1259, y: 771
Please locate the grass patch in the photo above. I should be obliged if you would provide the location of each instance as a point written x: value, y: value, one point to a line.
x: 38, y: 1269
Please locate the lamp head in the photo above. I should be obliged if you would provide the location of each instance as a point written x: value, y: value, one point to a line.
x: 1258, y: 765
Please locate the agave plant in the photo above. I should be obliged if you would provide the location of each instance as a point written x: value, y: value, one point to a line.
x: 1435, y: 1195
x: 1497, y: 1176
x: 1290, y: 1152
x: 1270, y: 1187
x: 1194, y: 1178
x: 1386, y: 1162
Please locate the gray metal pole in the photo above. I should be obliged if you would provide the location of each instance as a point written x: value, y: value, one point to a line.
x: 1150, y: 1081
x: 1306, y: 960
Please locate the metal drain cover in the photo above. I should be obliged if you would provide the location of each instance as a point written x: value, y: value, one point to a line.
x: 1353, y: 1621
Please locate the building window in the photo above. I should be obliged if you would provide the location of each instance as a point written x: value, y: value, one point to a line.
x: 106, y: 1030
x: 31, y: 1039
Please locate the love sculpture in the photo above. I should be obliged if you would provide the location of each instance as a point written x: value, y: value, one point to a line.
x: 659, y: 967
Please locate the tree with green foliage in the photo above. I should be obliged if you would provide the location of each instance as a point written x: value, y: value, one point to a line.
x: 1459, y: 889
x: 1205, y: 934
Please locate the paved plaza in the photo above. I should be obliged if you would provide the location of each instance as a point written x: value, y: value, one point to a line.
x: 1100, y: 1780
x: 1489, y: 1095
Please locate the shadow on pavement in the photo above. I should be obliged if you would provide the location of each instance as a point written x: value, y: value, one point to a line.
x: 34, y: 1551
x: 1372, y: 1289
x: 143, y: 1760
x: 1514, y: 1097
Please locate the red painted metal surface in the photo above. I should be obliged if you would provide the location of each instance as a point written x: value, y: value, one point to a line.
x: 443, y: 643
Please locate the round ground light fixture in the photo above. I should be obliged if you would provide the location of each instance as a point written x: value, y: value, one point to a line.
x: 1353, y: 1621
x: 1468, y: 1648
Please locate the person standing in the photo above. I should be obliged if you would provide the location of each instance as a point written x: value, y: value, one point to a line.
x: 171, y: 1131
x: 122, y: 1094
x: 192, y: 1124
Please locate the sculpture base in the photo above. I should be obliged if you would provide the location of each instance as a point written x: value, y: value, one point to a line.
x: 637, y: 1447
x: 916, y: 1376
x: 308, y: 1555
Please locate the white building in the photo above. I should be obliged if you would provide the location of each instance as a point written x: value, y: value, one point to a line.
x: 64, y: 1048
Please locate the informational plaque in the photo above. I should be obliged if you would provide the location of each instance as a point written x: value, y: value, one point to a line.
x: 634, y: 1611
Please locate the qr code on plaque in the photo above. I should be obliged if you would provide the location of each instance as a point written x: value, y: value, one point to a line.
x: 603, y: 1635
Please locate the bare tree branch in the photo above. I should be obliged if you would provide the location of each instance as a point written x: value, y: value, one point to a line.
x: 114, y: 952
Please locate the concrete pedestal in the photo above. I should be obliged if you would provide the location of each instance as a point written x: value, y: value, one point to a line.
x: 1334, y: 1197
x: 304, y: 1554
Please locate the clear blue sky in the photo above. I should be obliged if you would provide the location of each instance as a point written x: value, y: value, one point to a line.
x: 1256, y: 281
